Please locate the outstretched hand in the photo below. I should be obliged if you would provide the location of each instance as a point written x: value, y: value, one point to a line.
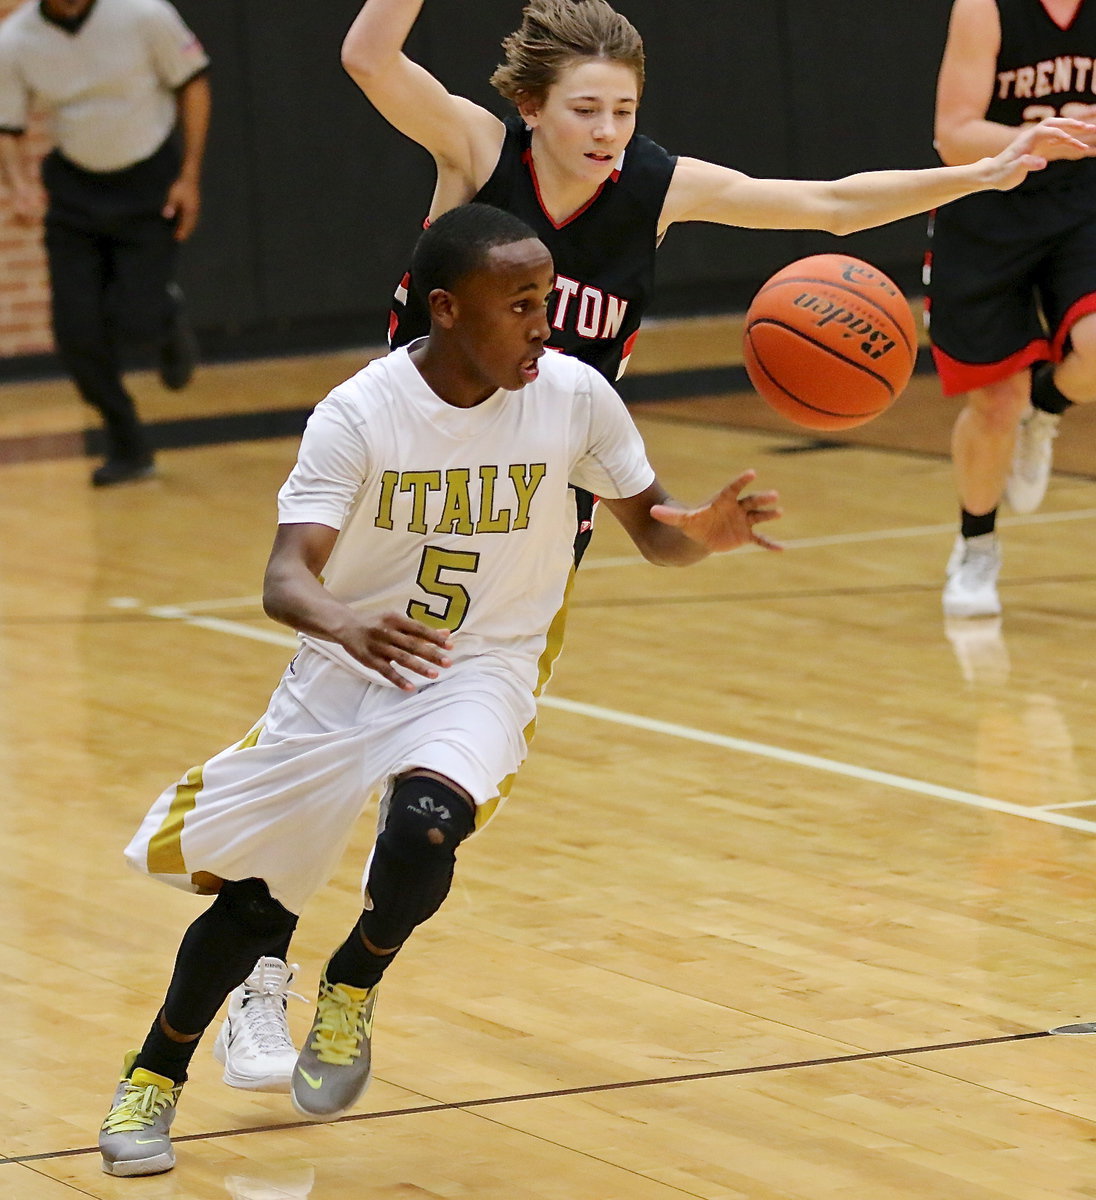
x: 1051, y: 139
x: 728, y: 520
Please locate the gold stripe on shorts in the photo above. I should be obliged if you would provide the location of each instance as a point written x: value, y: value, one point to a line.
x: 553, y: 644
x: 165, y: 847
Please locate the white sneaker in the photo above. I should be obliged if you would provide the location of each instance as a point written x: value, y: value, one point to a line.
x: 254, y: 1043
x: 971, y: 588
x: 1030, y: 473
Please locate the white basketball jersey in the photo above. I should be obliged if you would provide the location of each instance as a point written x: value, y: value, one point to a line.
x: 460, y: 517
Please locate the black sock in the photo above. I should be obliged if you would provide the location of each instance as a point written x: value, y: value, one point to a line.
x: 353, y: 964
x: 220, y: 950
x: 281, y: 950
x: 1044, y: 391
x: 974, y: 526
x: 164, y: 1056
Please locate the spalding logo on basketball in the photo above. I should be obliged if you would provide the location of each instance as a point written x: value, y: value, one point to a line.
x: 830, y: 342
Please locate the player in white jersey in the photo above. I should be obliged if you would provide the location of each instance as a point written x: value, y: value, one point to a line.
x: 440, y: 506
x: 423, y: 553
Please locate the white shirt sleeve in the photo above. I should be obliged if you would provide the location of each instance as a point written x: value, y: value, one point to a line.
x: 332, y: 464
x: 176, y: 52
x: 611, y: 459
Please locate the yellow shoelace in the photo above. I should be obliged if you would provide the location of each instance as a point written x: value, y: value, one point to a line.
x: 338, y: 1036
x: 139, y: 1107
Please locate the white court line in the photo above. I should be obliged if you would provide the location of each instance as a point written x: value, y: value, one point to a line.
x: 256, y: 633
x: 867, y: 535
x: 1071, y: 804
x: 685, y: 732
x: 217, y: 605
x: 816, y: 763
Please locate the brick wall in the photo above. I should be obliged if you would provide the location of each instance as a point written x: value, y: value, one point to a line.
x: 24, y: 285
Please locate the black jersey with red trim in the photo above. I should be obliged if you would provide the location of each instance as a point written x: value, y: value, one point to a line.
x: 604, y: 254
x: 1042, y: 69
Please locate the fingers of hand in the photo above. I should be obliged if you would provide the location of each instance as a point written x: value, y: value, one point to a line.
x: 387, y: 662
x: 410, y: 663
x: 735, y: 487
x: 668, y: 515
x: 389, y: 672
x: 764, y: 542
x: 1063, y: 137
x: 396, y: 623
x: 408, y: 644
x: 425, y: 650
x: 760, y: 507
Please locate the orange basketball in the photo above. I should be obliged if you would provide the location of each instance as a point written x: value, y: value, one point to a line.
x: 830, y: 342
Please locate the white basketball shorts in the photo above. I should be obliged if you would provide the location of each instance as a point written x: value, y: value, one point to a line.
x: 280, y: 804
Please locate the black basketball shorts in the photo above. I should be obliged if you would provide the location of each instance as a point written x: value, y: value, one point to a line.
x: 1007, y: 275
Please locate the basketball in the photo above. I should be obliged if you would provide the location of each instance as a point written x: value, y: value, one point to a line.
x: 830, y: 342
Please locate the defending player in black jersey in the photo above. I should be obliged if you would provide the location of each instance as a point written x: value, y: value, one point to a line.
x: 1012, y: 277
x: 607, y: 248
x: 570, y: 163
x: 601, y: 196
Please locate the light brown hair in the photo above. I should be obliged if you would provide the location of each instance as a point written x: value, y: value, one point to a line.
x: 555, y: 34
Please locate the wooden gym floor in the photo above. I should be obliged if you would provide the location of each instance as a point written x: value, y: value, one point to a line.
x: 786, y: 901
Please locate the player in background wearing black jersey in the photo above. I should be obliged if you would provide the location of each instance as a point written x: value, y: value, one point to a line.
x: 570, y: 163
x: 1012, y: 278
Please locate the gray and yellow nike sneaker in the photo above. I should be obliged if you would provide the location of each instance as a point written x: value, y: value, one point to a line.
x: 334, y: 1068
x: 135, y: 1138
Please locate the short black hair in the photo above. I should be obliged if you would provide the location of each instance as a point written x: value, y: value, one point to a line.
x: 458, y: 242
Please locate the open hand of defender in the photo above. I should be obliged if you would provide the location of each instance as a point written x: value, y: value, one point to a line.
x: 728, y: 520
x: 1032, y: 148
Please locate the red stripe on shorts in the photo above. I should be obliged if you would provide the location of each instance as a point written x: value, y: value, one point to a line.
x: 1077, y: 310
x: 957, y: 377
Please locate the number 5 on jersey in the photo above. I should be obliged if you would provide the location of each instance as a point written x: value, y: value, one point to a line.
x: 453, y: 596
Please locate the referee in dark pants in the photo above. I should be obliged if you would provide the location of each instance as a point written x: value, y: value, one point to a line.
x: 124, y: 84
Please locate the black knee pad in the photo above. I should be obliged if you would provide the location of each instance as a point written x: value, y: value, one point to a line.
x: 414, y: 858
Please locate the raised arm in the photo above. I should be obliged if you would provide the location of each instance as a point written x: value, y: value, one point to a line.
x: 294, y: 594
x: 671, y: 535
x: 704, y: 191
x: 463, y: 138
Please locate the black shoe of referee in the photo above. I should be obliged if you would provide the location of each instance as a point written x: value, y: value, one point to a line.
x: 179, y: 350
